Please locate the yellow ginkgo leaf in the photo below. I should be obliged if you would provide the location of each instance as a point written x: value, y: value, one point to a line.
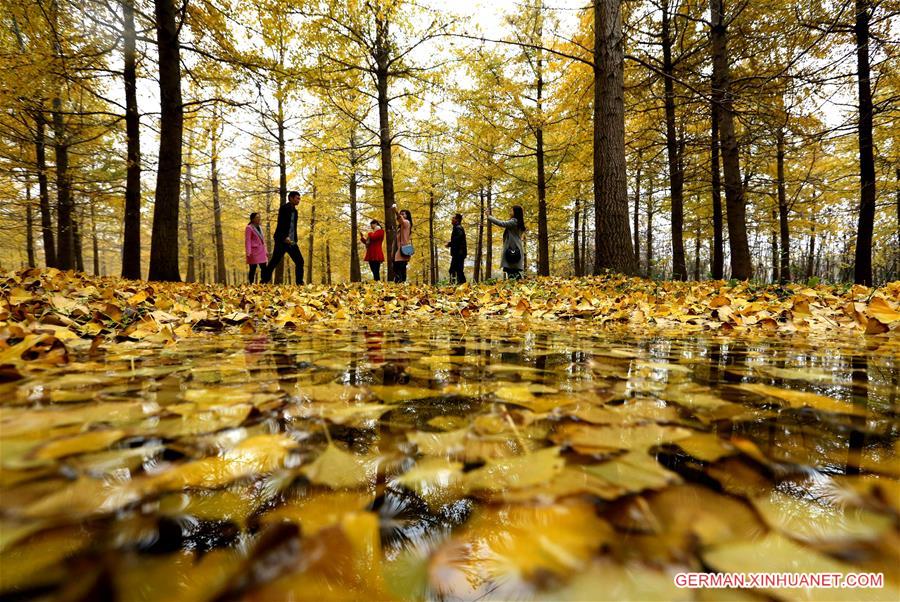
x: 338, y: 469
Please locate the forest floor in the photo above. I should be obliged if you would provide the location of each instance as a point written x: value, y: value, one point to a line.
x: 59, y: 307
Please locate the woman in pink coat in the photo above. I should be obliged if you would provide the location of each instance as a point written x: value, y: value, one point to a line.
x: 255, y: 243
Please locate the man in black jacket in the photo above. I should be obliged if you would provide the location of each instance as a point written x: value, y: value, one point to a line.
x: 286, y: 240
x: 458, y: 251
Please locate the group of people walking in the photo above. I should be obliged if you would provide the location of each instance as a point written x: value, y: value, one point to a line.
x: 285, y: 243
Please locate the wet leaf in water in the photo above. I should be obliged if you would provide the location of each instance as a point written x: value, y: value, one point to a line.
x: 436, y: 480
x: 338, y: 469
x: 77, y: 444
x: 802, y: 399
x: 516, y: 472
x: 315, y: 511
x: 606, y: 439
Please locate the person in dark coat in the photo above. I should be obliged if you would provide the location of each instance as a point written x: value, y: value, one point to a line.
x: 513, y: 261
x: 286, y: 240
x: 458, y: 251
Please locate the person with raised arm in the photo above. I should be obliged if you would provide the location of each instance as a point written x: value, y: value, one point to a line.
x: 513, y: 259
x: 374, y: 253
x: 402, y: 243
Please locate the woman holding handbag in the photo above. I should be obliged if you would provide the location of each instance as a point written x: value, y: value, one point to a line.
x: 255, y: 246
x: 402, y: 243
x: 513, y: 261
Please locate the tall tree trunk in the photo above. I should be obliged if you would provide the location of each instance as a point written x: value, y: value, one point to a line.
x: 543, y: 235
x: 29, y: 225
x: 862, y: 272
x: 312, y: 237
x: 811, y: 250
x: 95, y: 243
x: 637, y: 208
x: 575, y: 233
x: 489, y: 237
x: 476, y: 273
x: 784, y: 229
x: 221, y: 274
x: 164, y: 239
x: 612, y: 238
x: 327, y: 261
x: 584, y: 239
x: 432, y: 252
x: 649, y: 237
x: 282, y: 168
x: 40, y: 154
x: 676, y: 177
x: 77, y: 219
x: 741, y: 263
x: 718, y: 245
x: 897, y: 249
x: 775, y: 256
x: 65, y: 228
x: 385, y: 142
x: 189, y: 221
x: 131, y: 232
x: 355, y: 274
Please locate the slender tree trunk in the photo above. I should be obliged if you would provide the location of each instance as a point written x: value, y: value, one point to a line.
x: 188, y: 220
x: 355, y: 275
x: 811, y: 250
x: 612, y: 238
x: 584, y: 239
x: 164, y: 239
x: 575, y: 233
x: 476, y: 274
x: 784, y: 229
x: 543, y: 235
x: 432, y: 252
x: 649, y: 236
x: 741, y: 263
x: 897, y: 249
x: 697, y: 252
x: 637, y: 208
x: 312, y: 237
x: 327, y: 261
x: 676, y: 177
x: 718, y: 246
x: 282, y: 169
x: 775, y: 256
x: 40, y: 154
x: 862, y: 272
x: 95, y: 243
x: 77, y: 219
x: 65, y: 228
x: 489, y: 242
x: 221, y: 274
x: 29, y: 225
x: 131, y: 232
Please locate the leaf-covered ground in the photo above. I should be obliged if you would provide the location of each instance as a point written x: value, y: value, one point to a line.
x: 163, y: 442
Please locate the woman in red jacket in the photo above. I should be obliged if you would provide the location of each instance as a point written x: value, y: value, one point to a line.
x: 255, y: 246
x: 374, y: 254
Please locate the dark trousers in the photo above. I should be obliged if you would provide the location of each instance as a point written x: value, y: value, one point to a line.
x: 512, y: 274
x: 457, y: 270
x: 251, y: 277
x: 277, y: 255
x: 400, y: 271
x: 376, y: 270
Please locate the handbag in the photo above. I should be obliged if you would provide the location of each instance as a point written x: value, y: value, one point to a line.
x: 512, y: 255
x: 407, y: 250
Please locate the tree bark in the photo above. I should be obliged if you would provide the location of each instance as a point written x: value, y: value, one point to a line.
x: 775, y: 256
x: 741, y: 263
x: 862, y: 272
x: 718, y: 245
x: 897, y: 249
x: 385, y: 142
x: 783, y: 227
x: 40, y: 154
x: 649, y: 237
x: 543, y: 235
x: 282, y: 169
x: 432, y: 249
x: 697, y: 252
x: 811, y: 251
x: 221, y: 274
x: 131, y: 232
x: 29, y: 225
x: 65, y: 230
x: 327, y: 261
x: 676, y: 177
x: 77, y: 216
x: 355, y: 274
x: 612, y: 238
x: 164, y: 239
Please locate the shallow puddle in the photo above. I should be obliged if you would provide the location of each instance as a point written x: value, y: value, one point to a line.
x: 501, y: 461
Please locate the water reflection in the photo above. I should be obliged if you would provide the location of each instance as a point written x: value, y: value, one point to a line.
x: 498, y: 461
